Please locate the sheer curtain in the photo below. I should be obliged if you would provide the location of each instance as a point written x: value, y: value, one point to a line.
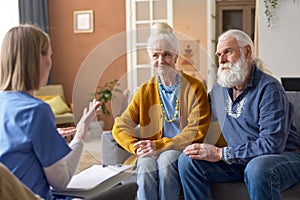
x: 35, y: 12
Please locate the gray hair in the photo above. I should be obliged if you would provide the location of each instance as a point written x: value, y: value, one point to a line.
x: 162, y: 31
x: 242, y: 38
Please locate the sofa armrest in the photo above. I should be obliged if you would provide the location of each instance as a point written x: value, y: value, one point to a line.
x: 294, y: 98
x: 111, y: 152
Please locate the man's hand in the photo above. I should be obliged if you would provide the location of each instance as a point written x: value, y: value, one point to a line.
x: 202, y: 151
x: 146, y: 148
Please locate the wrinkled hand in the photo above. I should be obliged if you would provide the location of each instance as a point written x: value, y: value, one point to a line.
x: 64, y: 132
x: 204, y: 151
x: 88, y: 115
x: 146, y: 148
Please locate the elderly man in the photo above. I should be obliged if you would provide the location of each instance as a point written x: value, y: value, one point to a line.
x: 256, y: 120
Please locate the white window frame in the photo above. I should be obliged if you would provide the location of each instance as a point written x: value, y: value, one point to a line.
x: 132, y: 45
x: 9, y: 13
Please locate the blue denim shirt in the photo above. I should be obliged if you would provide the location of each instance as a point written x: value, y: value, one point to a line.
x: 258, y: 122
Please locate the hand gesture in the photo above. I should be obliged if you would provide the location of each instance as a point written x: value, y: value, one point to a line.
x: 146, y: 148
x: 203, y: 151
x: 88, y: 115
x: 67, y: 131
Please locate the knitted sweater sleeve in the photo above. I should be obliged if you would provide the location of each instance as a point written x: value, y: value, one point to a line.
x: 124, y: 126
x: 144, y: 110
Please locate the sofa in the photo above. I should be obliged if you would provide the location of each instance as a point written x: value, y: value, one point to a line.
x: 112, y: 153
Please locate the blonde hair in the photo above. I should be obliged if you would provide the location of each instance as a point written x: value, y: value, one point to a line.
x: 20, y: 58
x: 162, y: 31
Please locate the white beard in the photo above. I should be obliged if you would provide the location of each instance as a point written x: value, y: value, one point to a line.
x: 233, y: 74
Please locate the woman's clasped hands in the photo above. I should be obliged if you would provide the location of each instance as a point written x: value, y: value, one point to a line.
x: 146, y: 148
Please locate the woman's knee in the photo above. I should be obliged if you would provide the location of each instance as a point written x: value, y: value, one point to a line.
x: 168, y: 158
x: 146, y: 165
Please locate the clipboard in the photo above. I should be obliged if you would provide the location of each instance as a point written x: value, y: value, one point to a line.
x: 96, y: 179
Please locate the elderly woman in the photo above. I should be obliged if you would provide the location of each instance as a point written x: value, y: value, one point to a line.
x: 31, y: 147
x: 172, y: 111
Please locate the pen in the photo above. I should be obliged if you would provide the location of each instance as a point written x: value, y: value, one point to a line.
x: 106, y: 165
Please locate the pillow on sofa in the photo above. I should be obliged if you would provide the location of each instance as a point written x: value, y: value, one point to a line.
x: 58, y: 105
x: 45, y: 97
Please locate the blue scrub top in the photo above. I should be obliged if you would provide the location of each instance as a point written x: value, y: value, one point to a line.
x: 29, y: 140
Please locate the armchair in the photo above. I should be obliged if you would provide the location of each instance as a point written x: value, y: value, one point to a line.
x: 112, y: 153
x: 54, y: 95
x: 12, y: 188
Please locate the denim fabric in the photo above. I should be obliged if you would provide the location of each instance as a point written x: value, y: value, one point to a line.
x: 265, y: 176
x: 158, y: 179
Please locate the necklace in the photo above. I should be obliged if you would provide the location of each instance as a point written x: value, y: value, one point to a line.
x: 175, y: 115
x: 167, y: 89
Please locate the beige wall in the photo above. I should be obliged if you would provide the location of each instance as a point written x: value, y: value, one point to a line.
x: 279, y: 44
x: 70, y: 49
x: 190, y: 19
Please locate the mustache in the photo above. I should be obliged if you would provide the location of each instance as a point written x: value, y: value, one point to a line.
x: 163, y: 66
x: 227, y: 65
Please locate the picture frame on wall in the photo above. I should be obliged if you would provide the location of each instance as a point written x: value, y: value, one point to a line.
x: 84, y: 21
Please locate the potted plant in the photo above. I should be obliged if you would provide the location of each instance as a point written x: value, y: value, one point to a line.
x: 105, y: 94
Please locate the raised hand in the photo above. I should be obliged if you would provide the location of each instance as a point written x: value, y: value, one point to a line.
x: 88, y: 115
x: 66, y: 131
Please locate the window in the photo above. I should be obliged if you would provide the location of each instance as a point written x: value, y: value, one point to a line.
x: 9, y: 10
x: 140, y: 15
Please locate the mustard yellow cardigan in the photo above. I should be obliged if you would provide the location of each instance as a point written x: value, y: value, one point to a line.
x: 145, y: 110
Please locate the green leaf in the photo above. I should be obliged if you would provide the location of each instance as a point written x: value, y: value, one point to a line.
x: 105, y: 93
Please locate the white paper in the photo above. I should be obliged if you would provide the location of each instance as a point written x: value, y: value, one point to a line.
x: 95, y: 175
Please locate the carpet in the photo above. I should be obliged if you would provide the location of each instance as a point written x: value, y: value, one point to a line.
x: 86, y: 161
